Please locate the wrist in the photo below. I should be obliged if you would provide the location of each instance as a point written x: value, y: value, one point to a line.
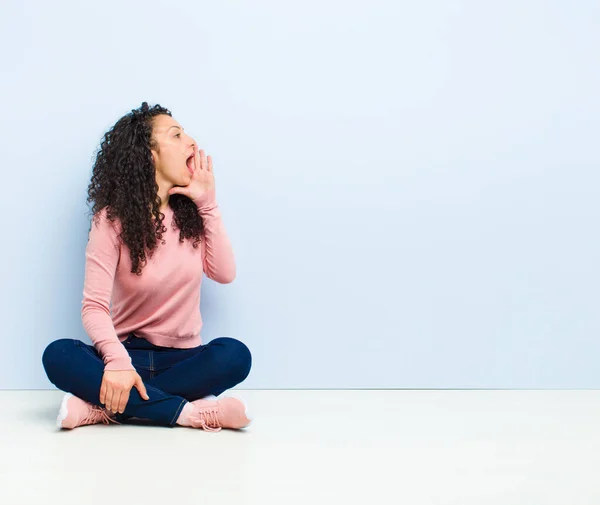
x: 206, y: 201
x: 119, y: 364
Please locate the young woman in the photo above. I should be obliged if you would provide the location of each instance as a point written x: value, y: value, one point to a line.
x: 156, y: 229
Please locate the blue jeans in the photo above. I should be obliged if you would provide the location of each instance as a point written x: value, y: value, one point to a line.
x: 172, y: 376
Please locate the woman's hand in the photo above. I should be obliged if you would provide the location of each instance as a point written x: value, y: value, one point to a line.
x: 202, y: 186
x: 116, y: 384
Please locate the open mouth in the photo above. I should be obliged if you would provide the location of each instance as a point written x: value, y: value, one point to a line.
x: 190, y: 163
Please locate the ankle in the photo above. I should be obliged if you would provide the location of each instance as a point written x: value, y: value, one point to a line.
x: 184, y: 416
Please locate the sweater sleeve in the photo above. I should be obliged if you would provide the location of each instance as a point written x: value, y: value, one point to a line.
x: 101, y: 258
x: 218, y: 261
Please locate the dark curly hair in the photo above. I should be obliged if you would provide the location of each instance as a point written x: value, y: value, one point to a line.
x: 124, y: 181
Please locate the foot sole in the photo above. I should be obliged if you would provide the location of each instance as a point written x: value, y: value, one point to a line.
x: 63, y: 412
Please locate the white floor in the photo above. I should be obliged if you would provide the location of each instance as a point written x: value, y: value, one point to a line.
x: 369, y: 447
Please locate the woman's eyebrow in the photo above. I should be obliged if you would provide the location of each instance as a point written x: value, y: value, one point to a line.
x: 175, y: 126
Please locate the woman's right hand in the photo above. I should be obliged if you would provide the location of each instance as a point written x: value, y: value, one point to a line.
x: 116, y: 384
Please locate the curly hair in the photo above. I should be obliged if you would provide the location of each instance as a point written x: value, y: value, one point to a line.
x: 124, y: 181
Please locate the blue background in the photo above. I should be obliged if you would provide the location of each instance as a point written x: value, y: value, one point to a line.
x: 411, y: 188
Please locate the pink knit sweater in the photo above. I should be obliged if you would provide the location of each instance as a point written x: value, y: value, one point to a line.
x: 163, y: 304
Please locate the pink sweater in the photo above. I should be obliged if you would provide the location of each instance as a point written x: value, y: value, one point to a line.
x: 163, y: 304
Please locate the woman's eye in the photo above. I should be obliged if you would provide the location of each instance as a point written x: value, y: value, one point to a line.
x: 178, y: 135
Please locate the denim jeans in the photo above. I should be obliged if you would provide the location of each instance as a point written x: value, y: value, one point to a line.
x: 171, y: 376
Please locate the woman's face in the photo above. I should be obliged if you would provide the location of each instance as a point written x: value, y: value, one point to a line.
x: 175, y: 147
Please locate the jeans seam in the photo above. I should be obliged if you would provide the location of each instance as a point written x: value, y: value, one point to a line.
x: 159, y: 392
x: 178, y: 411
x: 87, y: 349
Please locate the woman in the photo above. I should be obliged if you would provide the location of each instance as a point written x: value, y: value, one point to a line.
x: 156, y: 229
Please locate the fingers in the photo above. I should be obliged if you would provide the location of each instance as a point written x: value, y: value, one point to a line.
x: 103, y: 392
x: 195, y: 163
x: 113, y: 399
x: 115, y: 390
x: 202, y: 161
x: 141, y: 388
x: 196, y: 160
x: 108, y: 397
x: 116, y: 399
x: 178, y: 190
x: 123, y: 401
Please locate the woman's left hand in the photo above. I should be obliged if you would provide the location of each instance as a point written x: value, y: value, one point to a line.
x: 201, y: 188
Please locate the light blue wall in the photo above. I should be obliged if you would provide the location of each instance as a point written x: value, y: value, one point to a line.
x: 411, y: 188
